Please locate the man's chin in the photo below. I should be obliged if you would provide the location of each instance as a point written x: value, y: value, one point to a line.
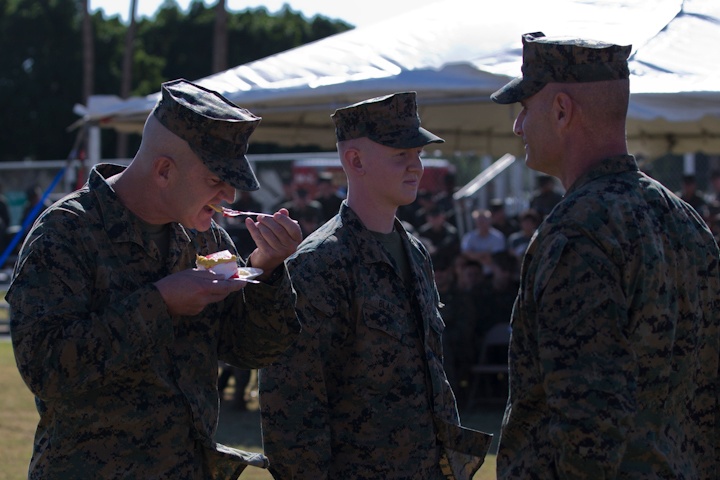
x: 407, y: 199
x: 200, y: 226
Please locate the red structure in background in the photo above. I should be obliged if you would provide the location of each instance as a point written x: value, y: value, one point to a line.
x: 305, y: 173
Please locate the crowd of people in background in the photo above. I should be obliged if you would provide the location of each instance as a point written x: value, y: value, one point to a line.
x: 707, y: 204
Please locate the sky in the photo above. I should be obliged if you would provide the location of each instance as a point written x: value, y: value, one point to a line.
x: 360, y: 13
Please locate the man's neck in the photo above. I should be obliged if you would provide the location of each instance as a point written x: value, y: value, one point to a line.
x: 136, y: 197
x: 374, y: 217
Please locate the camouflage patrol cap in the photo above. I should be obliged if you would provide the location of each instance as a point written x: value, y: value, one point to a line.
x: 391, y: 120
x: 563, y: 60
x: 216, y: 129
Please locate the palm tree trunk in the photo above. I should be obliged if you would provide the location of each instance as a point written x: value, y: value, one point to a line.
x: 220, y: 38
x: 126, y: 82
x: 88, y: 54
x: 88, y: 82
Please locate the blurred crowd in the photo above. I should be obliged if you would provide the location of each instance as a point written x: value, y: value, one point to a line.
x: 707, y: 204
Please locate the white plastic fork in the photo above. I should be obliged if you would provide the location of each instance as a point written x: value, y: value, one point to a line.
x: 229, y: 212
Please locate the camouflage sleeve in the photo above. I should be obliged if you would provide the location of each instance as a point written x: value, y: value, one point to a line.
x: 266, y: 327
x: 587, y: 362
x: 64, y: 343
x: 293, y: 397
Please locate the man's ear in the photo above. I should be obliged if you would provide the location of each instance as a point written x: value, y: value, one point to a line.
x: 162, y: 169
x: 353, y: 161
x: 563, y: 109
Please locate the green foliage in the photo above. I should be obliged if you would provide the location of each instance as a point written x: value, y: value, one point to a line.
x: 39, y: 77
x: 109, y: 43
x: 41, y: 61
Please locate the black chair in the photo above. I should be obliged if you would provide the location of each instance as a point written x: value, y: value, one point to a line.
x: 491, y: 371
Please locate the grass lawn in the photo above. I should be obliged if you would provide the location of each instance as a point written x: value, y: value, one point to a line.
x: 18, y: 418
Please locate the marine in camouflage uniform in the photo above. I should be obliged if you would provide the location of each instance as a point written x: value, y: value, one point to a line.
x: 363, y: 394
x: 124, y: 388
x: 615, y: 339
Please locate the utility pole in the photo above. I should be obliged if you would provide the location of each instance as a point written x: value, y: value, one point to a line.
x: 219, y: 59
x: 126, y: 82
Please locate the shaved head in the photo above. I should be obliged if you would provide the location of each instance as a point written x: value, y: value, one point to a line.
x: 157, y: 141
x: 604, y: 104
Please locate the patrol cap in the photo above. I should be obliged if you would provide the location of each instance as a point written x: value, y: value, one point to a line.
x: 563, y: 60
x: 391, y: 120
x: 216, y: 129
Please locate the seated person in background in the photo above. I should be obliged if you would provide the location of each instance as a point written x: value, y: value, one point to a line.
x: 546, y: 197
x: 695, y: 198
x: 307, y: 211
x: 499, y: 219
x: 444, y: 198
x: 459, y: 283
x: 518, y: 241
x: 712, y: 197
x: 327, y: 196
x: 484, y: 240
x: 497, y: 298
x: 442, y: 237
x: 33, y: 195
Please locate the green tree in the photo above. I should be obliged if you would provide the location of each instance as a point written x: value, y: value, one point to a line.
x: 41, y: 62
x: 40, y: 77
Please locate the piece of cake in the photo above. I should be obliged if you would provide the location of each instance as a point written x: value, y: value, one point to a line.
x: 220, y: 263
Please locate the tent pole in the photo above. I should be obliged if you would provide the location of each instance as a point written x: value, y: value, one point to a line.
x: 94, y: 146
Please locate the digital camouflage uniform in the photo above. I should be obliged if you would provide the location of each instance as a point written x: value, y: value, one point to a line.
x: 124, y: 390
x: 615, y: 342
x: 362, y: 394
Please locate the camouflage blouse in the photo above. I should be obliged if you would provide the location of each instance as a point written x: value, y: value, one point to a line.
x: 615, y: 341
x: 363, y: 393
x: 124, y: 389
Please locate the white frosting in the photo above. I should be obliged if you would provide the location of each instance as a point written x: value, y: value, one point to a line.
x: 227, y: 270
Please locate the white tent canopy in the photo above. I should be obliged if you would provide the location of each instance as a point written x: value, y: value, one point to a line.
x: 455, y: 53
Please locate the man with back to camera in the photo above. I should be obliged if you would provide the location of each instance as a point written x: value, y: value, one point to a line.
x: 615, y: 342
x: 363, y: 393
x: 114, y: 331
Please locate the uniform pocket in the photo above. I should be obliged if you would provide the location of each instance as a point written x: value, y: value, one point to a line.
x: 386, y: 317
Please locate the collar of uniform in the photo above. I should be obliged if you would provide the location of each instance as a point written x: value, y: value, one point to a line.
x: 367, y: 243
x: 608, y: 166
x: 370, y: 247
